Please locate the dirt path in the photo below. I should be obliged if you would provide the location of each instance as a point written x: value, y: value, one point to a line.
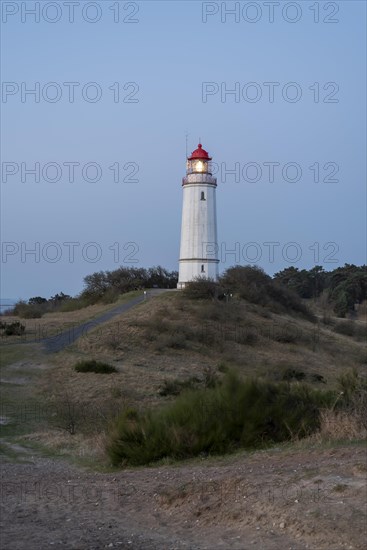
x: 60, y: 341
x: 301, y: 499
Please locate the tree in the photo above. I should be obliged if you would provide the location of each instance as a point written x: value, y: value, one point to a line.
x: 307, y: 284
x: 59, y: 298
x: 96, y: 283
x: 36, y: 301
x: 348, y: 286
x: 246, y: 281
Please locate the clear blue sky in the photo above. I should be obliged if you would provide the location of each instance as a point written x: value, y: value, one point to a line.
x: 169, y: 53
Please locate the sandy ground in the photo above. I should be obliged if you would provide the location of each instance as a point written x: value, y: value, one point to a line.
x: 282, y: 499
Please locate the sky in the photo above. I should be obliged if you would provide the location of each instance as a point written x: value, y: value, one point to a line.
x: 275, y: 92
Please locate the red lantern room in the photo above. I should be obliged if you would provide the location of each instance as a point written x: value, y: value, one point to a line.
x: 199, y: 162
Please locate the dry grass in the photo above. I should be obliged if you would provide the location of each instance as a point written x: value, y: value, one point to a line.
x: 340, y: 426
x: 170, y: 335
x: 142, y: 345
x: 63, y: 444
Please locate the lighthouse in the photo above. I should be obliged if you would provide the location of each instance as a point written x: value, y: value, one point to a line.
x: 199, y: 246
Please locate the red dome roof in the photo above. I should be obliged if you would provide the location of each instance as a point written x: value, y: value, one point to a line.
x: 200, y: 153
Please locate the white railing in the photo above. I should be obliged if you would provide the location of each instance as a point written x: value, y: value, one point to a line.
x: 199, y: 178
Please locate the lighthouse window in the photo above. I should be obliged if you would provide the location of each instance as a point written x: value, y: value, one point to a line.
x: 202, y: 196
x: 202, y: 268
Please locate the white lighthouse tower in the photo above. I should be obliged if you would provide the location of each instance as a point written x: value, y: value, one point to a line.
x: 199, y: 247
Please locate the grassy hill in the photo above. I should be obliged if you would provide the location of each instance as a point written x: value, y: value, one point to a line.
x: 159, y: 348
x: 309, y: 492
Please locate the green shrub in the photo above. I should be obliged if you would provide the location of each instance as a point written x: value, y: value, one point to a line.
x: 238, y: 413
x: 94, y: 366
x: 26, y: 311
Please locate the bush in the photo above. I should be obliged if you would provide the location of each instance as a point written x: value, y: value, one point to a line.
x: 201, y: 289
x: 32, y: 311
x: 94, y: 366
x: 12, y: 329
x: 238, y: 413
x: 255, y: 286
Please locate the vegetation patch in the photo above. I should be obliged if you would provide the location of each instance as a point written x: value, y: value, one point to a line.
x: 202, y: 288
x: 94, y: 366
x: 12, y: 329
x: 249, y: 413
x: 209, y: 379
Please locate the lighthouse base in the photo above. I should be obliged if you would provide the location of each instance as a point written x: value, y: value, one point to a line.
x: 193, y: 270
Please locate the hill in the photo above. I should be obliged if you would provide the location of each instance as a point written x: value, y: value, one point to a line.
x: 54, y: 423
x: 170, y: 340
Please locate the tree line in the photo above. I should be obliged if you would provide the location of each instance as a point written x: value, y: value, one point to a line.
x: 288, y: 290
x: 343, y: 287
